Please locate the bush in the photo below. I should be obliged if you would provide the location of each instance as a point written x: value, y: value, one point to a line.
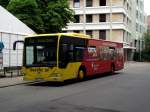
x: 136, y: 56
x: 145, y: 56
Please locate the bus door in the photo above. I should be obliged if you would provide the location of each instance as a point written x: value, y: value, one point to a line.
x: 104, y: 62
x: 71, y: 54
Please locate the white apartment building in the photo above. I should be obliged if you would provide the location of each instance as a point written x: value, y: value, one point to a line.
x: 114, y: 20
x: 139, y: 24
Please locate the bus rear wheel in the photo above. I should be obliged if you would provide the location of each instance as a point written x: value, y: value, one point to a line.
x: 81, y: 75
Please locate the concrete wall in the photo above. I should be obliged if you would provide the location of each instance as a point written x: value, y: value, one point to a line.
x: 117, y: 35
x: 117, y: 2
x: 117, y: 17
x: 96, y: 18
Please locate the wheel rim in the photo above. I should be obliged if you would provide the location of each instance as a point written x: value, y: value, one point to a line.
x: 81, y: 74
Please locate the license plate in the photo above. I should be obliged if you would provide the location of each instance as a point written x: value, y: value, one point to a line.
x: 38, y: 79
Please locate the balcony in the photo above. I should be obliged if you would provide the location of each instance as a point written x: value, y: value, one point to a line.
x: 99, y: 10
x: 97, y: 26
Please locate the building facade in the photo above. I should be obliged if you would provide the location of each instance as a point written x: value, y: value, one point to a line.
x: 113, y: 20
x: 139, y: 24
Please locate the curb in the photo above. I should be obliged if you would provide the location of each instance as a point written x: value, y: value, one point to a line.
x: 15, y: 84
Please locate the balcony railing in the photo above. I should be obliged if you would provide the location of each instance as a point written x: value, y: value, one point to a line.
x: 97, y: 26
x: 101, y: 10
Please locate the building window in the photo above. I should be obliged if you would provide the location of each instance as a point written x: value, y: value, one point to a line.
x: 137, y: 27
x: 140, y: 29
x: 124, y: 2
x: 89, y: 32
x: 89, y: 18
x: 140, y: 16
x: 89, y: 3
x: 141, y: 5
x: 102, y: 2
x: 77, y: 18
x: 102, y: 34
x: 76, y: 3
x: 124, y: 36
x: 102, y: 18
x: 124, y: 18
x: 137, y: 2
x: 135, y: 43
x: 127, y: 6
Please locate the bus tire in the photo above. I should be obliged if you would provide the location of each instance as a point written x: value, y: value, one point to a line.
x: 81, y: 74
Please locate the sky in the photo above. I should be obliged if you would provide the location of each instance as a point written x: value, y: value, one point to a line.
x: 147, y: 6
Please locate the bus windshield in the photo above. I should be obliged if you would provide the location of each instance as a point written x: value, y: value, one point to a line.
x: 41, y: 51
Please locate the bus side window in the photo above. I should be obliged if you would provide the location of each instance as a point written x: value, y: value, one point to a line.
x: 92, y: 52
x: 119, y: 53
x: 70, y: 53
x: 63, y: 52
x: 100, y: 52
x: 79, y: 53
x: 104, y: 53
x: 66, y: 53
x: 112, y: 53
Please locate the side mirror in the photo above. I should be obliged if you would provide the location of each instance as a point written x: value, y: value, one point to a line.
x: 15, y: 43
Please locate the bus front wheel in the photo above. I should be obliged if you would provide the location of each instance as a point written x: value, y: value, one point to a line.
x: 81, y: 74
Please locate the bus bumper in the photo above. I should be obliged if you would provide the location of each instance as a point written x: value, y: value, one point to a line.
x: 53, y: 79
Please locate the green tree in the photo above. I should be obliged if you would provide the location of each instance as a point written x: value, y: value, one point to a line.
x: 4, y: 3
x: 27, y: 11
x: 55, y: 14
x: 43, y: 16
x: 145, y: 54
x: 147, y: 40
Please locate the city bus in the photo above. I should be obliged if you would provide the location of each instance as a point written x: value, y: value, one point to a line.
x: 63, y: 56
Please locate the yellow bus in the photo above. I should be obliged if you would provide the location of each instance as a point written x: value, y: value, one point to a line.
x: 63, y: 56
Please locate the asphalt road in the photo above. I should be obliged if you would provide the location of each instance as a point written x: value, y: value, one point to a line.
x: 127, y: 91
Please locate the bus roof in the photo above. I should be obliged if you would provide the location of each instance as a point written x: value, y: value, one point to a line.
x: 78, y: 35
x: 106, y: 41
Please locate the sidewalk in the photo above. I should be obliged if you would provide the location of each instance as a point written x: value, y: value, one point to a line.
x: 11, y: 81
